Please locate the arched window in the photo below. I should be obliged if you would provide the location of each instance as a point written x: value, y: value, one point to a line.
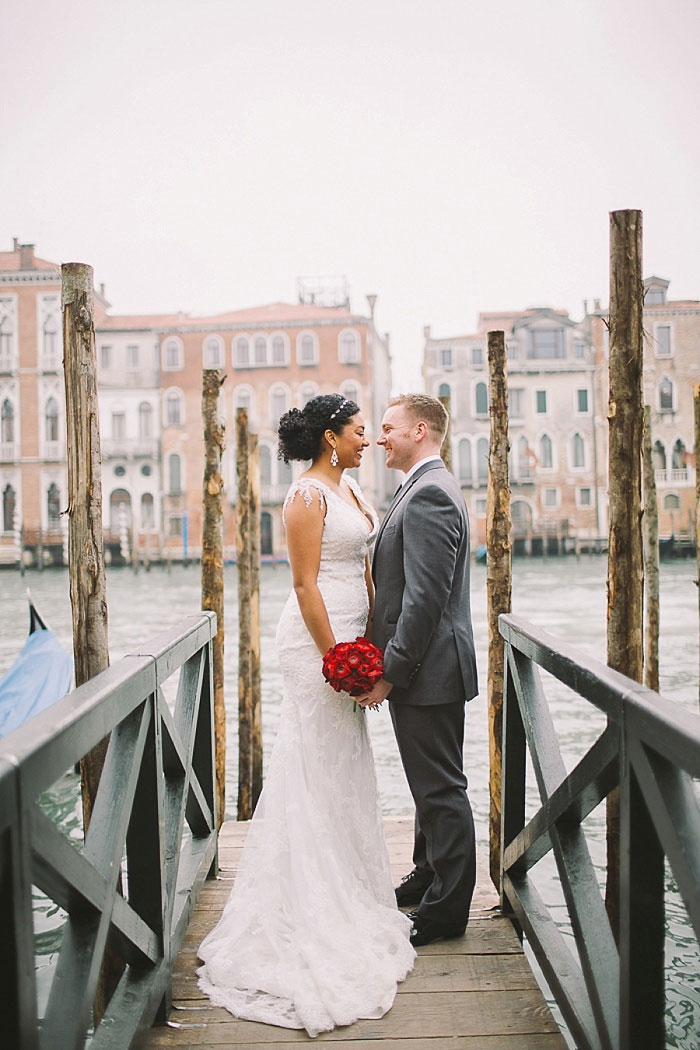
x: 524, y: 458
x: 279, y: 350
x: 482, y: 460
x: 7, y: 422
x: 242, y: 352
x: 51, y: 420
x: 464, y: 456
x: 578, y: 451
x: 306, y: 349
x: 260, y: 350
x: 174, y: 475
x: 546, y: 452
x: 174, y: 356
x: 50, y: 346
x: 8, y: 509
x: 278, y: 404
x: 444, y: 390
x: 145, y: 420
x: 351, y: 391
x: 243, y: 398
x: 284, y: 472
x: 147, y: 511
x: 678, y: 459
x: 672, y: 501
x: 309, y: 391
x: 5, y: 341
x: 658, y: 455
x: 119, y: 511
x: 173, y: 409
x: 521, y: 516
x: 482, y: 399
x: 213, y: 352
x: 53, y: 505
x: 349, y: 347
x: 265, y: 532
x: 665, y: 395
x: 265, y: 465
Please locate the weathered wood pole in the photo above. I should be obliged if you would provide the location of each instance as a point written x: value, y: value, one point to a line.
x: 625, y: 558
x: 696, y: 403
x: 498, y: 580
x: 248, y: 620
x: 86, y: 569
x: 446, y: 450
x: 213, y: 565
x: 254, y: 508
x: 651, y: 561
x: 88, y: 582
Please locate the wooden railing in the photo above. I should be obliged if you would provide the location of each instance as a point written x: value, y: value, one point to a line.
x: 610, y: 997
x: 153, y: 820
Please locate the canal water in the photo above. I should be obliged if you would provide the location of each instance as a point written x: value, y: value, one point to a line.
x: 563, y: 595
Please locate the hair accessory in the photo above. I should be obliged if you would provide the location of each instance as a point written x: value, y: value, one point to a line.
x: 342, y: 403
x: 334, y: 458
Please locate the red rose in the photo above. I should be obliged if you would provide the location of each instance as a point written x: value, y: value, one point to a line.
x: 353, y: 667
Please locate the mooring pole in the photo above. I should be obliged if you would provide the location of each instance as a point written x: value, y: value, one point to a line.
x: 86, y: 569
x: 249, y: 734
x: 88, y: 582
x: 651, y: 561
x: 498, y: 581
x: 446, y: 449
x: 213, y: 565
x: 625, y: 560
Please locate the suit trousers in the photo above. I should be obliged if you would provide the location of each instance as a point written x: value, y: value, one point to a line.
x: 430, y: 739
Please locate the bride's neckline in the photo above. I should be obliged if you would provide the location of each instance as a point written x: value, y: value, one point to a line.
x: 355, y: 505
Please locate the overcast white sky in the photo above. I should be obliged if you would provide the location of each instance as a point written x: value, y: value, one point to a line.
x: 448, y: 156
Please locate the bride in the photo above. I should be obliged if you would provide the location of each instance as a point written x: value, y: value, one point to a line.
x: 311, y: 936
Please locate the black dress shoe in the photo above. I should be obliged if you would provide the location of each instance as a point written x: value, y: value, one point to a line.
x: 412, y: 888
x: 425, y: 931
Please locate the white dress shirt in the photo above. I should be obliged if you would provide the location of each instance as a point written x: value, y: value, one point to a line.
x: 414, y: 468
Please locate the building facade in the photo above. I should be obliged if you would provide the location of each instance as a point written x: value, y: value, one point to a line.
x: 553, y: 452
x: 671, y: 374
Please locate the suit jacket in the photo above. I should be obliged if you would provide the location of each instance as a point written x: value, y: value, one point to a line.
x: 422, y: 617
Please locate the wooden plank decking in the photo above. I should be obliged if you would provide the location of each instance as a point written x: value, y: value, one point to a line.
x: 476, y: 993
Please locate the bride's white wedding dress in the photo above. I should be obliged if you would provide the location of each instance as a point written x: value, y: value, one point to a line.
x: 311, y: 936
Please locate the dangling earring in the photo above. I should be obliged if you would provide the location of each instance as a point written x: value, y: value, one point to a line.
x: 334, y: 458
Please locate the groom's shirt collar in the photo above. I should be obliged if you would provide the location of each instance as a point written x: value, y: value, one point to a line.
x: 421, y: 462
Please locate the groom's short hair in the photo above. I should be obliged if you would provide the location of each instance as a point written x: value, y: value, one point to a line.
x: 426, y: 408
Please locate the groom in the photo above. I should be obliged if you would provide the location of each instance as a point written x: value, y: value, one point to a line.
x: 422, y: 622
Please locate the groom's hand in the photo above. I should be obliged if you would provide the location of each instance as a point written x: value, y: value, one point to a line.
x: 377, y: 696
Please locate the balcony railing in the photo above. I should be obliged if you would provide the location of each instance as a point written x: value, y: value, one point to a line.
x: 129, y: 448
x: 8, y: 451
x: 674, y: 477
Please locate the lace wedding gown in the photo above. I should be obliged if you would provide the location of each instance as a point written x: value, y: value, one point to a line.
x: 311, y: 936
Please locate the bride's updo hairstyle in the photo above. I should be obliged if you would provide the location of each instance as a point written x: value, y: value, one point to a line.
x: 301, y: 431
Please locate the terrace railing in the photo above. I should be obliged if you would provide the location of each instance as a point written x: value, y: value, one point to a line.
x: 610, y: 996
x: 153, y: 821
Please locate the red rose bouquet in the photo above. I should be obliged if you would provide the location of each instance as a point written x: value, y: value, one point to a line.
x: 353, y: 667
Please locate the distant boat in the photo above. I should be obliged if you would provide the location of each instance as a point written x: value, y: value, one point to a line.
x: 40, y: 676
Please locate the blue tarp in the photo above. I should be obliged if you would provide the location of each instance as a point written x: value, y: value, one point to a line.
x: 40, y: 675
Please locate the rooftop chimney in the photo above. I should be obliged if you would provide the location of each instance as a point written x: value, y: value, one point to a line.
x: 426, y: 332
x: 26, y: 256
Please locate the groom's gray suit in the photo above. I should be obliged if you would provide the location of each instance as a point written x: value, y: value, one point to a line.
x: 422, y: 622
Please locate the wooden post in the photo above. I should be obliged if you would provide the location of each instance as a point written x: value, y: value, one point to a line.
x: 651, y: 561
x: 498, y: 580
x: 254, y: 506
x: 446, y: 450
x: 213, y: 565
x: 88, y: 581
x: 625, y: 559
x: 696, y: 402
x: 248, y: 620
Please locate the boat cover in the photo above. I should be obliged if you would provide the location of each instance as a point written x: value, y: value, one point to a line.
x: 40, y: 675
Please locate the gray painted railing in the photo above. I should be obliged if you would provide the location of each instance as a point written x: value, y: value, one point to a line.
x: 153, y: 820
x: 612, y: 998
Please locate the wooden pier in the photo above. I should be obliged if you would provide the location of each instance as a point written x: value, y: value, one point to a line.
x: 475, y: 993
